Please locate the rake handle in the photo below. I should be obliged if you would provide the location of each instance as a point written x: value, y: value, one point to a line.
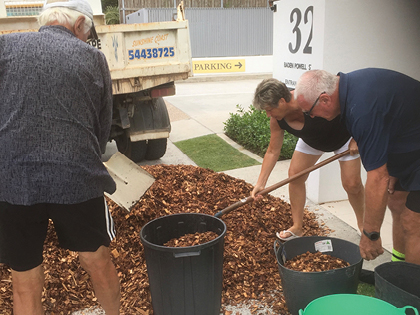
x: 282, y: 183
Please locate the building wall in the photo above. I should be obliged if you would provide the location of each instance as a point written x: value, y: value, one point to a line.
x: 218, y: 32
x: 374, y: 33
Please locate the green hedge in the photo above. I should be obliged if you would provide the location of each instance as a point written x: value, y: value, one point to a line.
x: 251, y: 129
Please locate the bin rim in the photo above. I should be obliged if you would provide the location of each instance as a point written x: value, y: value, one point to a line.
x: 361, y: 297
x: 185, y: 248
x: 277, y: 250
x: 395, y: 265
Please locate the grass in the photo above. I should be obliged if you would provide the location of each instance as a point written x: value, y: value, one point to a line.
x: 214, y: 153
x: 366, y: 289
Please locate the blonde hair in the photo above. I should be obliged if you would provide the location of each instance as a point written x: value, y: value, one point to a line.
x: 63, y: 16
x: 268, y: 94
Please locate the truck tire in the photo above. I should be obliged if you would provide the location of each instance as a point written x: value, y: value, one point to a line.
x: 156, y: 148
x: 135, y: 151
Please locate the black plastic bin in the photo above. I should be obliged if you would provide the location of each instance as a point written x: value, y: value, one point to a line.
x: 398, y: 283
x: 184, y: 280
x: 301, y: 288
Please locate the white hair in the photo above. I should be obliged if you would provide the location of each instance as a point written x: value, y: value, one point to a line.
x: 63, y: 16
x: 314, y: 82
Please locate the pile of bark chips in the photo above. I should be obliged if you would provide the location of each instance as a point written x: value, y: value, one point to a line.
x: 250, y: 271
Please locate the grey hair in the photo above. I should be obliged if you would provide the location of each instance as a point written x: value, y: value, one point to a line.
x: 269, y: 92
x: 314, y: 82
x: 63, y: 16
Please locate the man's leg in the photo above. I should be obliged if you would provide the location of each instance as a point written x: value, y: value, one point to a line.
x: 297, y: 190
x: 352, y: 184
x: 94, y: 219
x: 410, y: 219
x: 104, y: 278
x: 411, y: 223
x: 22, y: 235
x: 396, y: 204
x: 27, y: 291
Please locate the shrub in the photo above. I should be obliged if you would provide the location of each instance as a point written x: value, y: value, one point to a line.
x: 251, y: 129
x: 112, y: 15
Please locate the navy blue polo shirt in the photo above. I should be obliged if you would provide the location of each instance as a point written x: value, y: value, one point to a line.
x: 381, y: 109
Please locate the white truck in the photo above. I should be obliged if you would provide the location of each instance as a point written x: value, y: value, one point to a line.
x: 144, y: 60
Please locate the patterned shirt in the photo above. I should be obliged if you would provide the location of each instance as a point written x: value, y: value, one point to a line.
x: 55, y: 118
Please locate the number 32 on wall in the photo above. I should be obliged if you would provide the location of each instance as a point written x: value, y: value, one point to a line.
x: 296, y: 20
x: 298, y: 31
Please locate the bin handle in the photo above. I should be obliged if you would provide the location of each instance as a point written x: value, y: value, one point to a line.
x: 280, y: 246
x: 416, y: 312
x: 189, y: 254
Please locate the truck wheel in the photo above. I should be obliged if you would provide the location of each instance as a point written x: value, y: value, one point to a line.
x: 156, y: 148
x: 135, y: 151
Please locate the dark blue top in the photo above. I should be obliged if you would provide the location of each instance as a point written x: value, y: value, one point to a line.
x: 55, y: 118
x: 381, y: 109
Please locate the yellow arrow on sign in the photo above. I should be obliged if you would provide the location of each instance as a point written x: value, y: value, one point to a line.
x: 219, y: 66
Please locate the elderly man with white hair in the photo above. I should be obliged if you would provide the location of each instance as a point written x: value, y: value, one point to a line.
x: 55, y: 120
x: 381, y: 110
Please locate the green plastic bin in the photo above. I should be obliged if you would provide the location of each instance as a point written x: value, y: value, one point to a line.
x: 352, y: 304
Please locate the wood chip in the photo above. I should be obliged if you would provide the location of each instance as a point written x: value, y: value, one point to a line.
x: 315, y: 262
x: 250, y: 271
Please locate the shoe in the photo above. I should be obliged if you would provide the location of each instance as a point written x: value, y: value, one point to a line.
x: 292, y: 235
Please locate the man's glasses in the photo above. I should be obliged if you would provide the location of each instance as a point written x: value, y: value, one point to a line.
x: 308, y: 113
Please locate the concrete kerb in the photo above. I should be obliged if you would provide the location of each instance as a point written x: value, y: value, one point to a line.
x: 226, y: 77
x: 239, y: 147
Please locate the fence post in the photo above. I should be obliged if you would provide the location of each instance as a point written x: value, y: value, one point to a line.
x: 123, y: 10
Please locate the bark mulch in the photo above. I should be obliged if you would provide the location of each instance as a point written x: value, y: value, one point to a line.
x: 250, y: 272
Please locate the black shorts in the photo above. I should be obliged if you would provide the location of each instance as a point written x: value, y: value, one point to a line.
x: 413, y: 198
x: 82, y: 227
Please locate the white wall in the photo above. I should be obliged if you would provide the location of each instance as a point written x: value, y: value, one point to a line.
x: 96, y: 6
x: 373, y: 33
x: 2, y: 9
x: 324, y: 184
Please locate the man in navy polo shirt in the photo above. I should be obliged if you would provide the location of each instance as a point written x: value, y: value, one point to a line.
x: 381, y: 110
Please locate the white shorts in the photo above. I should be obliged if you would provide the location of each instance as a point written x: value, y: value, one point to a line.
x: 301, y: 146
